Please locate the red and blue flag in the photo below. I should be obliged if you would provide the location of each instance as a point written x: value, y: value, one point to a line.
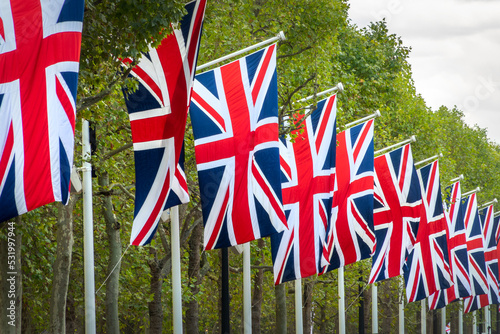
x: 350, y: 237
x: 307, y: 181
x: 158, y: 113
x: 427, y: 268
x: 40, y: 44
x: 396, y: 212
x: 234, y: 114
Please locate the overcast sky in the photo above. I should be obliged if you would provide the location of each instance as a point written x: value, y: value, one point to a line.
x: 455, y: 55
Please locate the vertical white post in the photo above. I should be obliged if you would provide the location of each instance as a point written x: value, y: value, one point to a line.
x: 299, y: 323
x: 374, y: 309
x: 474, y: 323
x: 88, y: 233
x: 176, y: 270
x: 247, y: 290
x: 461, y: 318
x: 423, y: 317
x: 487, y: 318
x: 341, y: 301
x: 401, y: 307
x: 443, y: 320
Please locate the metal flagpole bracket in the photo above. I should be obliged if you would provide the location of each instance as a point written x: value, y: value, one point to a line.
x: 482, y: 206
x: 279, y: 37
x: 435, y: 157
x: 471, y: 192
x: 412, y: 139
x: 459, y: 178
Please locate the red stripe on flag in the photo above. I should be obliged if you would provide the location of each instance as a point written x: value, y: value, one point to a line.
x: 262, y: 72
x: 195, y: 33
x: 324, y: 123
x: 66, y: 103
x: 216, y: 231
x: 139, y: 72
x: 213, y: 113
x: 361, y: 140
x: 155, y: 212
x: 402, y: 176
x: 279, y: 277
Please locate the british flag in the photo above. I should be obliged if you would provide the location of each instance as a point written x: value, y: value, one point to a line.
x: 158, y: 113
x: 457, y: 249
x: 39, y: 60
x: 234, y: 113
x: 427, y: 268
x: 490, y: 233
x: 475, y: 246
x: 307, y: 180
x: 350, y: 237
x: 396, y: 212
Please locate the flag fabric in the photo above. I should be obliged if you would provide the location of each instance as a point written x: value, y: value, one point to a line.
x: 427, y: 268
x: 350, y: 237
x: 234, y: 114
x: 490, y: 233
x: 475, y: 246
x: 448, y: 328
x: 396, y: 212
x: 457, y: 250
x: 40, y: 44
x: 158, y: 113
x: 307, y: 180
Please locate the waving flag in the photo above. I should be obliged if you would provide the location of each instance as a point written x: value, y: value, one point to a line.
x: 457, y: 250
x: 396, y: 212
x: 490, y: 233
x: 427, y: 268
x: 234, y: 113
x: 158, y: 113
x: 39, y: 60
x: 350, y: 237
x: 307, y: 180
x: 475, y: 246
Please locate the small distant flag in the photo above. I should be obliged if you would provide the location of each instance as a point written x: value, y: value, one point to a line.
x: 448, y: 328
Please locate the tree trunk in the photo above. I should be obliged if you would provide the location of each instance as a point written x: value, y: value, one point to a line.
x: 307, y: 305
x: 257, y: 291
x: 62, y: 266
x: 10, y: 277
x: 115, y: 251
x: 192, y: 307
x: 155, y: 306
x: 281, y: 322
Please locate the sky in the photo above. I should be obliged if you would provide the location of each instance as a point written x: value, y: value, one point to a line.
x: 455, y: 55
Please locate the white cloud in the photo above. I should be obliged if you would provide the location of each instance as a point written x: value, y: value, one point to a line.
x: 455, y: 51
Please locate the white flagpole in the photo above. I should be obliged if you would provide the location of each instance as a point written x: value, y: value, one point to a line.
x: 401, y: 308
x: 341, y: 301
x: 361, y: 120
x: 299, y: 323
x: 459, y: 178
x: 471, y: 192
x: 487, y: 317
x: 443, y: 320
x: 339, y: 87
x: 423, y: 317
x: 482, y: 206
x: 461, y: 318
x: 279, y: 37
x: 247, y: 290
x: 374, y: 309
x: 176, y: 270
x: 404, y: 142
x: 88, y: 233
x: 435, y: 157
x: 474, y: 323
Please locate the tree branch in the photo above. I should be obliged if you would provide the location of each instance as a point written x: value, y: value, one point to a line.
x: 295, y: 53
x: 116, y: 151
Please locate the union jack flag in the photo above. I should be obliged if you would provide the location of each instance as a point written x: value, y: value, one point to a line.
x: 457, y: 248
x: 158, y: 113
x: 475, y: 247
x: 307, y: 180
x: 427, y: 268
x: 39, y: 57
x: 350, y: 237
x: 234, y: 114
x: 396, y: 212
x: 490, y: 232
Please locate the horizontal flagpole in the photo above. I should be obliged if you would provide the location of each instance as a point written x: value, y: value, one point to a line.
x: 471, y: 192
x: 459, y: 178
x: 338, y: 88
x: 412, y: 139
x: 435, y: 157
x: 496, y: 214
x: 279, y: 37
x: 361, y: 120
x: 482, y: 206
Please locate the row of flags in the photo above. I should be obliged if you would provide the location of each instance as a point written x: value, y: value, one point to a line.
x: 322, y: 197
